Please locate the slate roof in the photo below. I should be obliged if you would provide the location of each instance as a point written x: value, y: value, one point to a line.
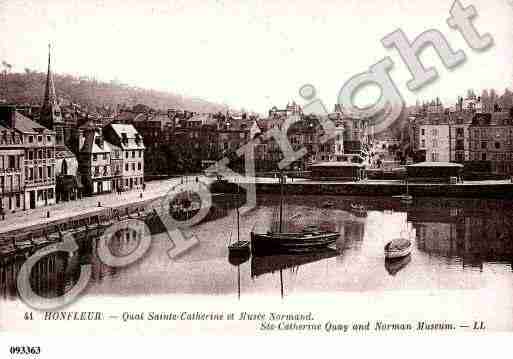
x: 24, y: 124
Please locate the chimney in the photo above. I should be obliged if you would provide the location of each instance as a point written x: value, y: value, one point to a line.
x: 8, y: 115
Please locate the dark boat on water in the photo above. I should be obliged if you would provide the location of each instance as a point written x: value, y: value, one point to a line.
x: 310, y: 239
x: 276, y: 243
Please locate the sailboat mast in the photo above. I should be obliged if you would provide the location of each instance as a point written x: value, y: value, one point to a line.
x: 238, y: 202
x: 282, y: 179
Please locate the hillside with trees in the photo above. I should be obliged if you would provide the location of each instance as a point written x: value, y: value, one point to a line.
x: 28, y: 88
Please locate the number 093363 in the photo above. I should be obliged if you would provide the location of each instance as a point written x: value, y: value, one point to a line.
x: 24, y: 350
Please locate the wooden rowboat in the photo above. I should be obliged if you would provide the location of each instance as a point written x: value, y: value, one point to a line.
x: 398, y: 248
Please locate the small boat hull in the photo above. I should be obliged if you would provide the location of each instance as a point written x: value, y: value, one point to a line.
x: 394, y: 252
x: 283, y: 243
x: 239, y: 247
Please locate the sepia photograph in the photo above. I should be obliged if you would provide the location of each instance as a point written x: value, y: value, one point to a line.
x: 254, y: 168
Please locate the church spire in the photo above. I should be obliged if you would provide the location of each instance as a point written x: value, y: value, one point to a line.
x: 50, y: 112
x: 50, y: 98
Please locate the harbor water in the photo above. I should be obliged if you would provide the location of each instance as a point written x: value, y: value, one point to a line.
x: 458, y: 245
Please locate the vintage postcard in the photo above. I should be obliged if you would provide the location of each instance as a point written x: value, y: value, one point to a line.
x: 262, y: 168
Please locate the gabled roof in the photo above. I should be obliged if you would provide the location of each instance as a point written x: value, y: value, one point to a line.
x: 129, y: 132
x: 24, y: 124
x: 90, y: 145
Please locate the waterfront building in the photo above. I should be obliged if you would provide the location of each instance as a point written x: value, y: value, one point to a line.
x: 358, y: 135
x: 434, y: 138
x: 491, y: 140
x: 459, y: 136
x: 116, y: 164
x: 131, y: 144
x: 39, y: 157
x: 12, y: 170
x: 157, y: 129
x: 94, y: 161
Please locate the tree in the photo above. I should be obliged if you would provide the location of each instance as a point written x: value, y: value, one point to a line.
x: 493, y: 97
x: 507, y: 99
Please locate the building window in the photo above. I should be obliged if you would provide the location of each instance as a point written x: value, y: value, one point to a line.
x: 49, y: 171
x: 423, y: 144
x: 12, y: 162
x: 483, y: 145
x: 95, y: 157
x: 422, y: 132
x: 459, y: 132
x: 126, y: 166
x: 39, y: 139
x: 133, y: 166
x: 126, y: 154
x: 48, y: 139
x: 140, y: 153
x: 497, y: 145
x: 133, y: 154
x: 460, y: 145
x: 50, y: 193
x: 483, y: 156
x: 40, y: 172
x: 105, y: 170
x: 139, y: 166
x: 30, y: 155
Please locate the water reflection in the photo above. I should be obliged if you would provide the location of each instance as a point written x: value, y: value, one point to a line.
x: 393, y: 266
x: 458, y: 243
x: 471, y: 232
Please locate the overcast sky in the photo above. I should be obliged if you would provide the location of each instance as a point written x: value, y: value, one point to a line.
x: 251, y: 54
